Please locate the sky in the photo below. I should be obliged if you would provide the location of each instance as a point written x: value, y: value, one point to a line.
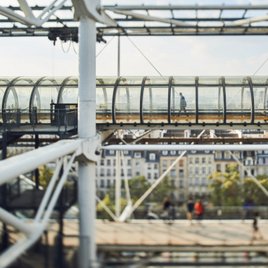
x: 178, y: 56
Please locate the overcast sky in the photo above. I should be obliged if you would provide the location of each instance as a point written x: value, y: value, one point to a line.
x: 224, y: 55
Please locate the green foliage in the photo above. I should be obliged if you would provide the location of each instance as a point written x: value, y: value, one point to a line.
x: 162, y: 190
x: 226, y: 187
x: 45, y: 174
x: 253, y: 192
x: 137, y: 186
x: 229, y: 189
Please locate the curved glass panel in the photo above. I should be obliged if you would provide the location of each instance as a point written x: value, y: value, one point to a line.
x: 69, y: 91
x: 184, y: 87
x: 210, y: 100
x: 155, y: 100
x: 260, y: 89
x: 238, y: 101
x: 45, y: 94
x: 128, y: 100
x: 139, y: 100
x: 3, y: 86
x: 104, y: 99
x: 16, y: 107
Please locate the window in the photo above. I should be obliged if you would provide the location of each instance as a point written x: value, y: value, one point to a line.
x: 197, y: 160
x: 203, y: 170
x: 149, y: 176
x: 203, y: 160
x: 181, y: 163
x: 155, y: 176
x: 152, y: 156
x: 102, y: 162
x: 164, y: 152
x: 227, y: 155
x: 218, y: 155
x: 108, y: 172
x: 190, y: 160
x: 137, y: 155
x: 129, y: 162
x: 102, y: 183
x: 111, y: 152
x: 102, y: 172
x: 173, y: 173
x: 196, y: 170
x: 190, y: 170
x: 129, y: 172
x: 164, y: 163
x: 218, y: 167
x: 108, y: 162
x: 173, y: 152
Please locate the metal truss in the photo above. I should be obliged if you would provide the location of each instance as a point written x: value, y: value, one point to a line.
x: 58, y: 20
x: 63, y: 153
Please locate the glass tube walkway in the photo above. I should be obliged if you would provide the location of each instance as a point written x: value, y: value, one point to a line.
x: 148, y: 101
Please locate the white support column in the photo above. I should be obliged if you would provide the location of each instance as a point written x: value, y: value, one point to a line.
x: 118, y: 185
x: 87, y: 129
x: 118, y: 56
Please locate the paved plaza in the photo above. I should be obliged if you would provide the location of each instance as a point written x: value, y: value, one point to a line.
x: 178, y: 233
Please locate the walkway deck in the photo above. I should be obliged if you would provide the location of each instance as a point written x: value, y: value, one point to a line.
x: 149, y: 235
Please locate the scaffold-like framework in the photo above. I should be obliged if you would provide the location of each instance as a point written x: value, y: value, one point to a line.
x: 142, y: 20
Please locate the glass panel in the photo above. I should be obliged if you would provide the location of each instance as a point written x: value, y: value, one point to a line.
x: 260, y: 104
x: 127, y: 106
x: 3, y: 86
x: 45, y: 94
x: 178, y: 113
x: 238, y: 103
x: 70, y: 92
x: 104, y: 96
x: 210, y: 104
x: 17, y: 104
x: 155, y: 101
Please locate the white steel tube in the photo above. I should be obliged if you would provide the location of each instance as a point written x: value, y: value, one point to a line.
x: 49, y: 190
x: 189, y: 147
x: 153, y: 186
x: 250, y: 174
x: 87, y: 129
x: 14, y: 221
x: 118, y: 185
x: 33, y: 159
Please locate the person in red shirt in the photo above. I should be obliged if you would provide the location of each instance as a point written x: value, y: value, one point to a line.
x: 199, y: 209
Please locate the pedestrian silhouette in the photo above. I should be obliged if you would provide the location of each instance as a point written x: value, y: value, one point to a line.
x: 183, y: 103
x: 256, y: 233
x: 199, y: 210
x: 190, y: 208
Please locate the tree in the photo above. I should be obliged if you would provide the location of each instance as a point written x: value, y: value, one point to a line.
x: 253, y: 192
x: 226, y: 187
x: 45, y: 174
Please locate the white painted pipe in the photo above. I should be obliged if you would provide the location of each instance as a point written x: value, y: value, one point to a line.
x: 87, y: 129
x: 49, y: 191
x: 189, y: 147
x: 14, y: 221
x: 33, y: 159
